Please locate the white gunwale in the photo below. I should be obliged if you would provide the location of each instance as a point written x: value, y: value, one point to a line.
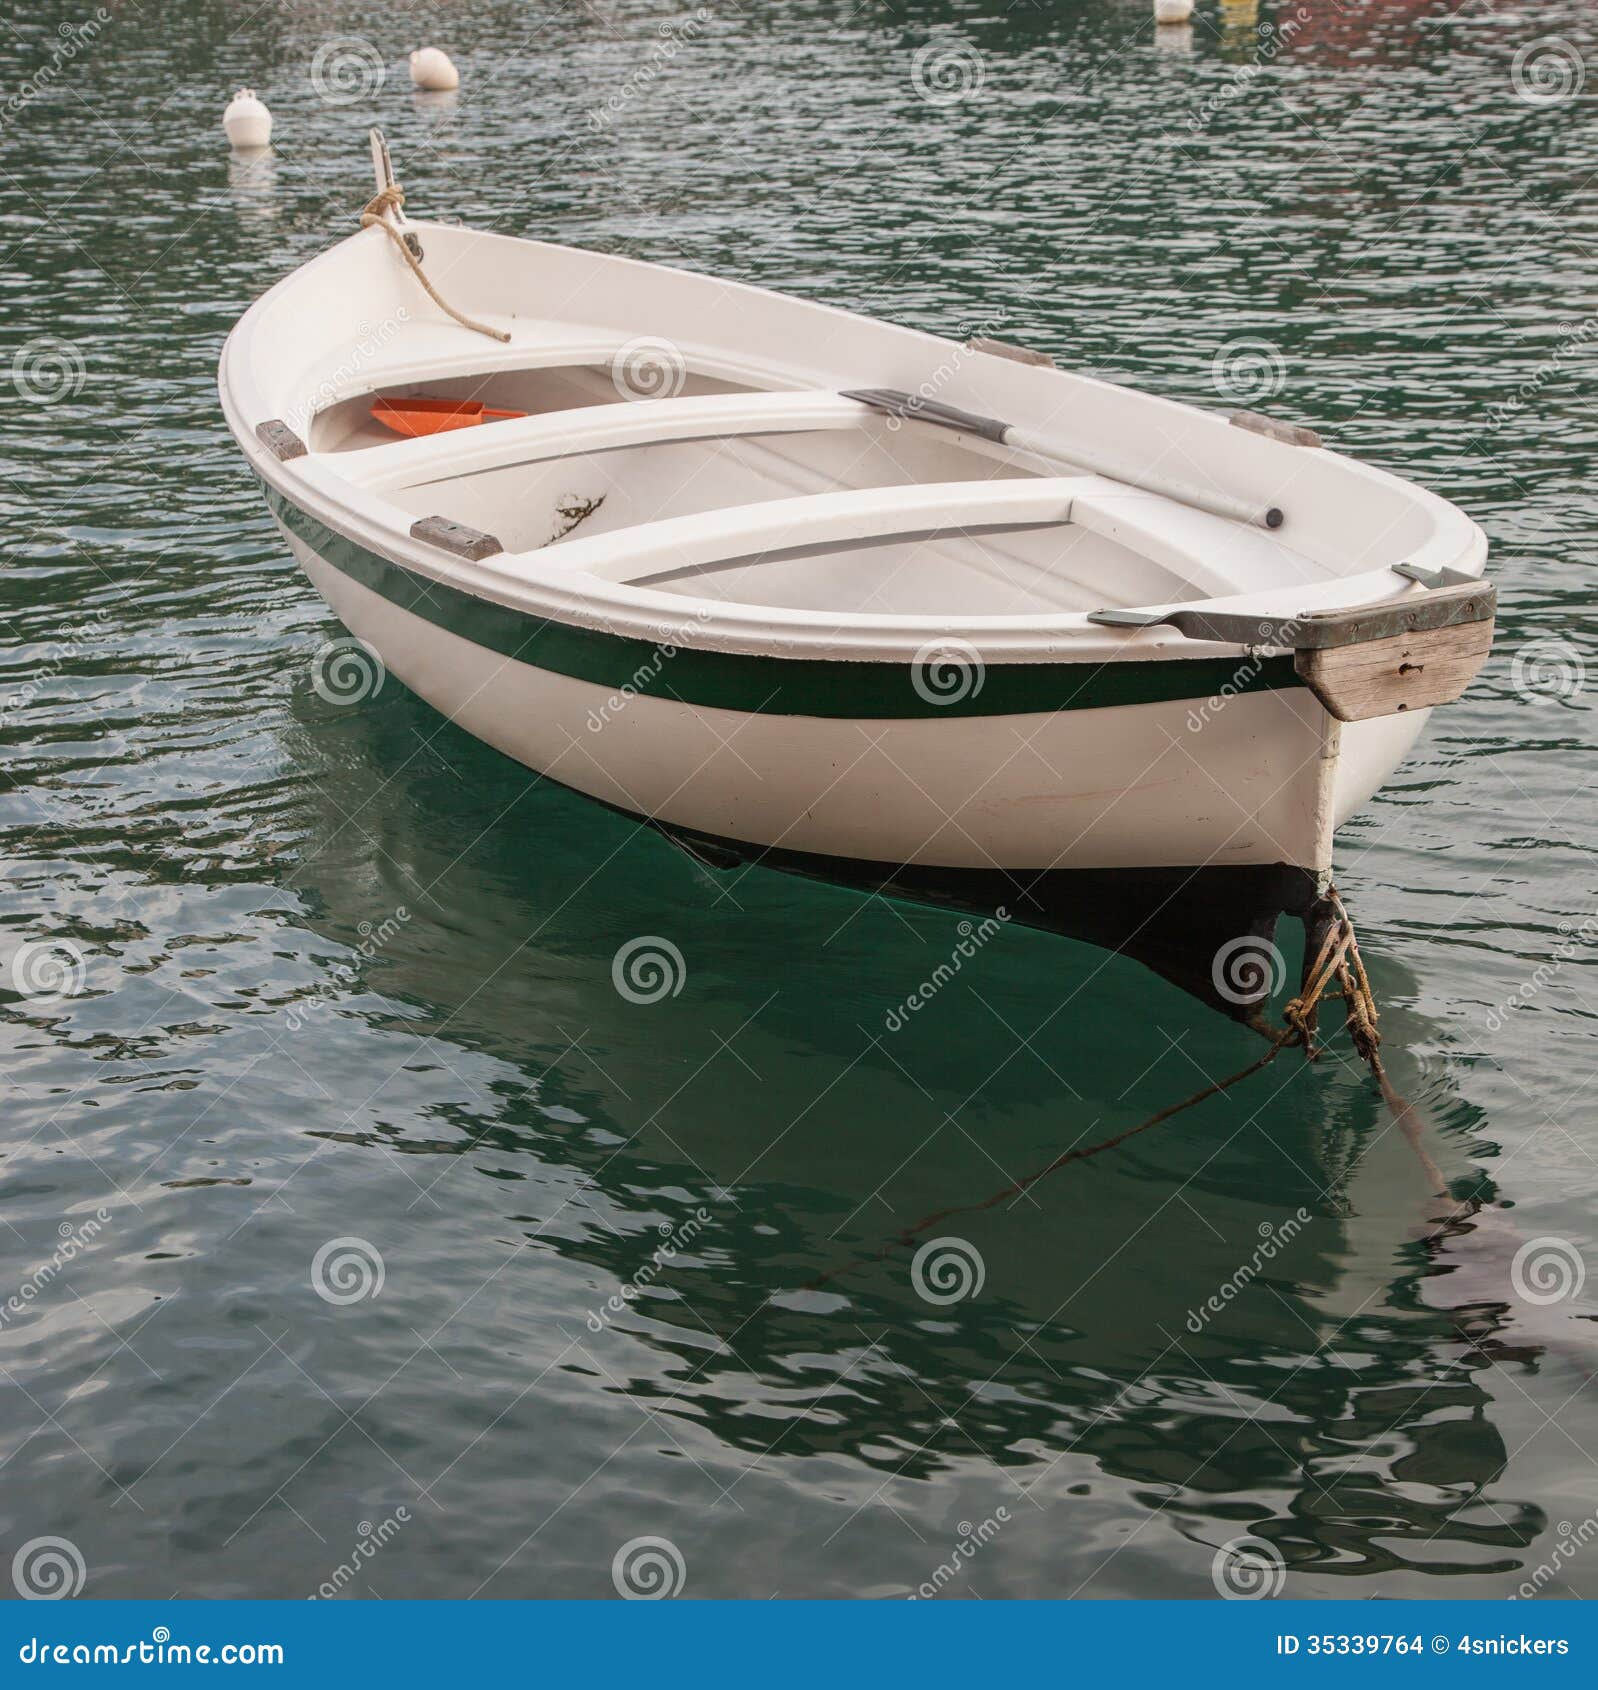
x: 345, y: 495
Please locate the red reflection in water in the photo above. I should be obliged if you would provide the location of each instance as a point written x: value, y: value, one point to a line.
x: 1350, y: 32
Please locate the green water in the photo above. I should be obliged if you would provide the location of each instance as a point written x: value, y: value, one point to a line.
x: 347, y: 975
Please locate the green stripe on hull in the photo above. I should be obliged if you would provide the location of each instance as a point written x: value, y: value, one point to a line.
x: 775, y: 686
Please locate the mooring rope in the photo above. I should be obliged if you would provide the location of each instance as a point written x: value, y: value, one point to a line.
x: 376, y: 215
x: 1337, y: 959
x: 1362, y: 1019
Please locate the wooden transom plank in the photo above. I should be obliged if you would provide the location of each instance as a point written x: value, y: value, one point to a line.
x: 1404, y: 672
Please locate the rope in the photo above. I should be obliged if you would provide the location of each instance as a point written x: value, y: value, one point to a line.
x: 1337, y: 959
x: 1299, y: 1014
x: 1362, y: 1019
x: 908, y: 1237
x: 376, y: 216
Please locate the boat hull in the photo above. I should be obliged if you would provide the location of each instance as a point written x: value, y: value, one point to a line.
x: 994, y: 635
x: 1235, y: 767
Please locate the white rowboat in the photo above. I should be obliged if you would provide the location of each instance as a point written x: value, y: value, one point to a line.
x: 799, y: 586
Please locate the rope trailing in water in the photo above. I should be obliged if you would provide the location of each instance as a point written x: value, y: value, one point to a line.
x: 1362, y: 1019
x: 376, y: 216
x: 1337, y: 959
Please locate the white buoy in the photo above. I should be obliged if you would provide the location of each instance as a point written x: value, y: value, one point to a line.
x: 246, y: 121
x: 432, y: 68
x: 1172, y: 11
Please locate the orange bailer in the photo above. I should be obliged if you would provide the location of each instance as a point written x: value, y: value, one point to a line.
x: 433, y: 416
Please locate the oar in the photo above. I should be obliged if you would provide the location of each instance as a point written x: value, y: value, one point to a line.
x: 913, y: 408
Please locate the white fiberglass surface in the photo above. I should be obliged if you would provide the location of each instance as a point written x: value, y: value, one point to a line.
x: 1061, y: 569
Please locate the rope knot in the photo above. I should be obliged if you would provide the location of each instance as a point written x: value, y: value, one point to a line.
x: 391, y: 198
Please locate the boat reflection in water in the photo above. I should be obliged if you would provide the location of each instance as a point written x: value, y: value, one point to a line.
x: 1229, y: 1325
x: 1374, y: 35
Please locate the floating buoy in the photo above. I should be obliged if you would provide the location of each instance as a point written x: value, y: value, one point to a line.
x: 433, y: 69
x: 246, y: 122
x: 1172, y: 11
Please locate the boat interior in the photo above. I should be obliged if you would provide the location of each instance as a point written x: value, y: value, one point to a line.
x: 715, y: 488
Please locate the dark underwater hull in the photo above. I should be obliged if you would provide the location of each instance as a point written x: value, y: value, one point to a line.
x: 1175, y: 921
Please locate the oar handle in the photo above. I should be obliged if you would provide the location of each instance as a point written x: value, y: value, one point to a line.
x: 913, y: 407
